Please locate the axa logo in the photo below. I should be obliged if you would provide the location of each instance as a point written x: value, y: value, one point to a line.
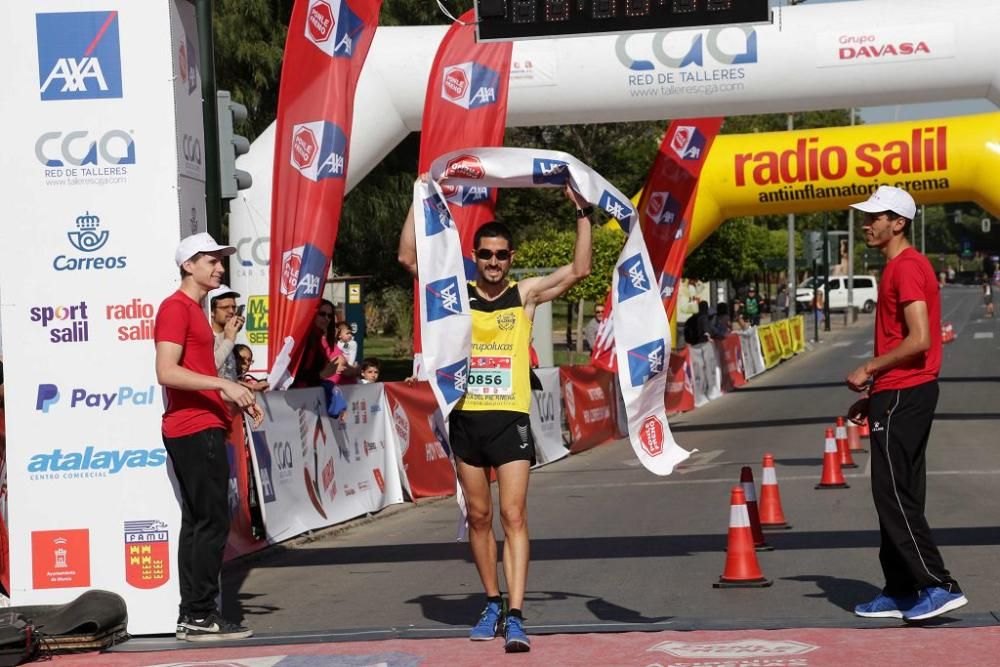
x: 109, y: 462
x: 451, y: 380
x: 555, y: 172
x: 645, y: 361
x: 615, y: 207
x: 443, y: 298
x: 633, y: 279
x: 470, y: 85
x: 80, y: 147
x: 662, y: 209
x: 333, y: 27
x: 688, y: 142
x: 437, y: 217
x: 319, y: 150
x: 668, y: 283
x: 465, y: 195
x: 79, y: 55
x: 726, y: 45
x: 302, y: 272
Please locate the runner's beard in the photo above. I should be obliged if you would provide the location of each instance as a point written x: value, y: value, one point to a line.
x: 493, y: 280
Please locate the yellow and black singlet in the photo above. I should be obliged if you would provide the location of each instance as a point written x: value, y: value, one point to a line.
x: 499, y: 364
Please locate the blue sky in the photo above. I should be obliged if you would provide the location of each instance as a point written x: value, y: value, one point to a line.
x: 901, y: 112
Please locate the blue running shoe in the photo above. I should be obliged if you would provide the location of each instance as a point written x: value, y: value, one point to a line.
x: 489, y: 623
x: 886, y: 606
x: 934, y: 601
x: 515, y: 639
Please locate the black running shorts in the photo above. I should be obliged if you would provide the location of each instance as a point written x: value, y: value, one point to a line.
x: 489, y: 439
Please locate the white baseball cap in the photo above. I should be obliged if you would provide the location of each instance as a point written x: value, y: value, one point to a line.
x: 220, y: 292
x: 888, y: 198
x: 196, y: 243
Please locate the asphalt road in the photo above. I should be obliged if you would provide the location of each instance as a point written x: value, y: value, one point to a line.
x: 614, y: 547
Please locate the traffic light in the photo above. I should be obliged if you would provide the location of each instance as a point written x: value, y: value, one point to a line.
x: 231, y: 146
x: 506, y: 20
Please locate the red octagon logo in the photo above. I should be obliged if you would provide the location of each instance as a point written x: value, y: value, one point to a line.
x: 290, y: 273
x: 304, y: 148
x: 465, y: 166
x: 656, y: 201
x: 320, y: 22
x: 651, y: 435
x: 455, y: 83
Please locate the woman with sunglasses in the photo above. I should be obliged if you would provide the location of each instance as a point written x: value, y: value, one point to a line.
x: 321, y: 357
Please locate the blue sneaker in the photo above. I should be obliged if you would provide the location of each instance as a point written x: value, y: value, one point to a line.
x: 488, y: 625
x: 934, y: 601
x: 515, y: 639
x: 886, y: 606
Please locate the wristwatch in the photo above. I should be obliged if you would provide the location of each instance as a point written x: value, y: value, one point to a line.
x: 584, y: 212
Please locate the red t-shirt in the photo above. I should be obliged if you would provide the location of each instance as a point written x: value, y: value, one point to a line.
x: 182, y: 320
x: 907, y: 277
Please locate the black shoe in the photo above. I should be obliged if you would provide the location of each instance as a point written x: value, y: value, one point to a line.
x: 181, y: 628
x: 212, y: 628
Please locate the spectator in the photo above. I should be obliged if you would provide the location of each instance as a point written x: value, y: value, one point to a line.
x: 752, y: 306
x: 345, y: 339
x: 321, y: 357
x: 988, y: 295
x: 784, y: 302
x: 244, y: 361
x: 226, y: 323
x: 698, y: 328
x: 370, y: 369
x: 722, y: 326
x: 590, y: 331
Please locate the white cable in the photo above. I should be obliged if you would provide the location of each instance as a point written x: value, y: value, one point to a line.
x: 444, y: 10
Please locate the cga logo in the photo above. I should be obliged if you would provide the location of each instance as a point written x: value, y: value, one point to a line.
x: 87, y: 239
x: 555, y: 172
x: 443, y: 299
x: 48, y: 395
x: 319, y: 150
x: 470, y: 85
x: 302, y: 272
x: 72, y: 324
x: 646, y: 361
x: 724, y: 44
x: 451, y: 380
x: 633, y: 279
x: 77, y: 148
x: 79, y: 55
x: 688, y: 142
x: 333, y: 27
x: 93, y: 463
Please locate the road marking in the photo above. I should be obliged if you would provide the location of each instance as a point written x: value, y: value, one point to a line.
x: 982, y: 334
x: 861, y: 356
x: 700, y: 461
x: 843, y: 343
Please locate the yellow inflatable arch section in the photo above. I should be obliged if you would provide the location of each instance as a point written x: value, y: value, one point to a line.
x: 937, y: 161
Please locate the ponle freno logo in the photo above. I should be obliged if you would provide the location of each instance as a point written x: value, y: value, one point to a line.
x: 319, y: 150
x: 470, y: 85
x: 79, y: 55
x: 87, y: 237
x: 302, y: 272
x: 465, y: 166
x: 333, y: 27
x: 135, y: 319
x: 92, y: 462
x: 80, y: 397
x: 60, y: 558
x: 688, y: 142
x: 70, y: 324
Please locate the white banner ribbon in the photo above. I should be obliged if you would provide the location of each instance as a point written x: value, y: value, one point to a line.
x: 642, y: 331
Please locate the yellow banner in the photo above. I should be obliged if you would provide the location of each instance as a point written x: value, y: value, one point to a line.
x: 784, y: 336
x: 797, y: 326
x: 769, y: 345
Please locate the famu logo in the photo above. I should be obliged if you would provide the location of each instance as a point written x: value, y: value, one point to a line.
x: 91, y: 462
x: 470, y: 85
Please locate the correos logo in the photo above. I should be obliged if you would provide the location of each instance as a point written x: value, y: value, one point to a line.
x: 92, y: 462
x: 88, y: 237
x: 80, y: 397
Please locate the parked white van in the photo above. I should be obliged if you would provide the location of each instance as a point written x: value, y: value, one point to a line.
x: 865, y: 292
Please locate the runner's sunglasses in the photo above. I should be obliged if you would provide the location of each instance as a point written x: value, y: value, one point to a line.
x: 486, y: 254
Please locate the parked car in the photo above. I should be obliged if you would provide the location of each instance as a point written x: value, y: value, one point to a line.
x: 865, y: 292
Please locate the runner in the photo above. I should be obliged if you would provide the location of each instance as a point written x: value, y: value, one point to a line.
x: 489, y: 427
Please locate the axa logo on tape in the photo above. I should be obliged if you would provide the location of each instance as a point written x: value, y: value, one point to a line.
x: 437, y: 218
x: 662, y: 209
x: 615, y: 207
x: 302, y: 272
x: 645, y: 361
x: 688, y: 142
x: 79, y: 55
x: 333, y: 27
x: 745, y: 648
x: 465, y: 195
x: 443, y: 298
x: 549, y: 171
x: 469, y: 85
x: 633, y: 279
x: 319, y: 150
x: 451, y: 380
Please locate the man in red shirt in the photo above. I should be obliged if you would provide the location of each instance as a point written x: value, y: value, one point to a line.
x: 903, y: 388
x: 195, y: 423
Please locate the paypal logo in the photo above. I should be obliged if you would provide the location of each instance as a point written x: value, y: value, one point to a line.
x: 48, y: 395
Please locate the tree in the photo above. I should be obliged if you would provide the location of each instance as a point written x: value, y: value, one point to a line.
x: 735, y: 251
x: 555, y: 249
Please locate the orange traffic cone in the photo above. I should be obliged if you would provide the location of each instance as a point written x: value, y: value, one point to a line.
x: 854, y: 438
x: 846, y: 461
x: 742, y: 570
x: 772, y: 517
x: 750, y: 495
x: 832, y: 478
x: 863, y: 430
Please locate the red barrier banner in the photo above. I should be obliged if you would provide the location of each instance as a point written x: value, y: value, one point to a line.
x: 588, y: 396
x: 465, y: 107
x: 731, y: 361
x: 414, y: 413
x: 327, y: 44
x: 680, y: 383
x: 241, y: 540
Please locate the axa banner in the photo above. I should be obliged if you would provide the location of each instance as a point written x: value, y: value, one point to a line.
x: 420, y: 431
x: 680, y: 386
x: 315, y: 471
x: 588, y: 396
x: 753, y: 357
x: 641, y: 325
x: 731, y: 362
x: 97, y: 163
x: 466, y: 105
x: 665, y: 207
x: 546, y: 417
x: 327, y: 44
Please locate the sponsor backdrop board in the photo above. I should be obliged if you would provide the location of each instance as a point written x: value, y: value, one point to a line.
x: 86, y: 256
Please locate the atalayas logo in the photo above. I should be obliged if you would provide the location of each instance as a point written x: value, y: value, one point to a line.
x: 465, y: 166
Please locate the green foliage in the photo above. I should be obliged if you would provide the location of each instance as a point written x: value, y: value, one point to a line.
x: 555, y: 249
x: 735, y: 251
